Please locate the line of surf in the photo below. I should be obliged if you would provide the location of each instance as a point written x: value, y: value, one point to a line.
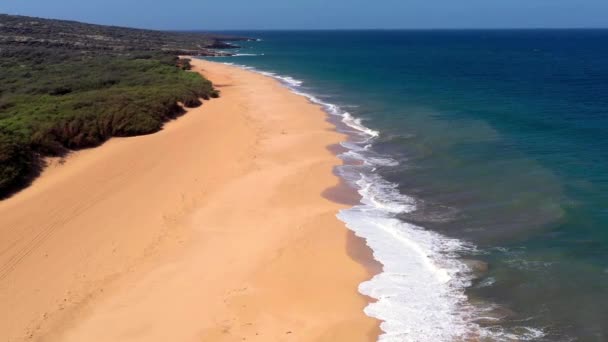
x: 420, y: 293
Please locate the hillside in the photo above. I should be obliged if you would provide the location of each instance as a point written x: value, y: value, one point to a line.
x: 38, y: 32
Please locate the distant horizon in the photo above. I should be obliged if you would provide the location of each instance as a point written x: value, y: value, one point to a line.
x: 276, y: 15
x: 321, y: 29
x: 393, y: 29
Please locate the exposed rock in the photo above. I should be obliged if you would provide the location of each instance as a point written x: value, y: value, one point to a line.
x: 478, y: 268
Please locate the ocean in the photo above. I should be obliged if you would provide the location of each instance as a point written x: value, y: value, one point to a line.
x: 482, y: 161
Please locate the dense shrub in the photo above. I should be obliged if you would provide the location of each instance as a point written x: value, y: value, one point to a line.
x: 53, y: 100
x: 16, y: 161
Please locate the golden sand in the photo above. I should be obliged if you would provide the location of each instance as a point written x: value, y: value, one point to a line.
x: 213, y: 229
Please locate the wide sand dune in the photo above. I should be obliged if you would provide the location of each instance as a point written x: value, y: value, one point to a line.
x: 213, y: 229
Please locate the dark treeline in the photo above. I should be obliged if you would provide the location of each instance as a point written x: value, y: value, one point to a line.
x: 56, y: 98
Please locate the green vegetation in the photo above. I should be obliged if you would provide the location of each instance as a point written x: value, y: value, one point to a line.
x: 57, y: 98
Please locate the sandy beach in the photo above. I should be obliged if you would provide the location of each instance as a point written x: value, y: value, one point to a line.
x: 214, y: 229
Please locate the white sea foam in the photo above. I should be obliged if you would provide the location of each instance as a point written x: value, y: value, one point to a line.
x: 487, y: 282
x: 420, y: 293
x: 248, y: 54
x: 367, y: 160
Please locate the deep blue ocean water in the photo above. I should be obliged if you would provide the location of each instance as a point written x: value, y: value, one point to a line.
x: 491, y: 146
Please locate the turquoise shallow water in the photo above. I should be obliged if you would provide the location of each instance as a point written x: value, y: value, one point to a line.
x: 491, y: 145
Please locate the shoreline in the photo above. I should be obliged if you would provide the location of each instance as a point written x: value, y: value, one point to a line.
x: 192, y: 249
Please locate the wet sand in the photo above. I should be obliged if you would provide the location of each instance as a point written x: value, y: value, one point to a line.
x: 214, y: 229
